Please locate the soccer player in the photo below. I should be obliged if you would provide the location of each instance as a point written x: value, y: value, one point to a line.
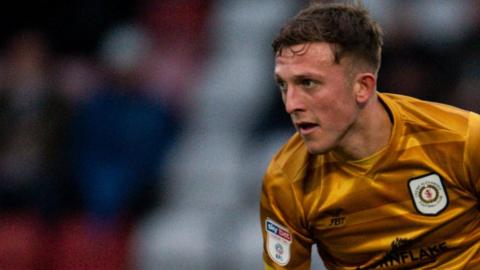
x: 375, y: 180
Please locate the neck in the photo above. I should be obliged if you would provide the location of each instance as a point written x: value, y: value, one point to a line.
x: 368, y: 134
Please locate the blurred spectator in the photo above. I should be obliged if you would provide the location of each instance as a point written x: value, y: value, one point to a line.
x: 179, y: 47
x: 33, y: 119
x: 421, y: 52
x: 120, y: 134
x: 77, y: 78
x: 466, y: 94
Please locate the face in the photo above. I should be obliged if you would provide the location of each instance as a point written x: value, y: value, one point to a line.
x: 319, y: 94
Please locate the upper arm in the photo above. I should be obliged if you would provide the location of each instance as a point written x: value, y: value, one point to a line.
x: 286, y: 242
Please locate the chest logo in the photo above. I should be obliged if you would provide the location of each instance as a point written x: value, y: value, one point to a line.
x: 278, y: 242
x: 429, y: 194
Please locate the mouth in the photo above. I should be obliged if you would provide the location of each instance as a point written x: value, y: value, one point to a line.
x: 306, y: 128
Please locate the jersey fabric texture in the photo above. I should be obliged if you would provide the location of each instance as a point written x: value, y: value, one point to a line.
x: 412, y: 205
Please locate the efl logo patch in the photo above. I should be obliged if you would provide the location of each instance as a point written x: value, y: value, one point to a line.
x: 429, y: 194
x: 278, y: 242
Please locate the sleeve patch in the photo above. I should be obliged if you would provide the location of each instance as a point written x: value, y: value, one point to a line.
x: 279, y: 240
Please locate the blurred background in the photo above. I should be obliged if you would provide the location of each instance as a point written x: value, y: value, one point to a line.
x: 134, y: 134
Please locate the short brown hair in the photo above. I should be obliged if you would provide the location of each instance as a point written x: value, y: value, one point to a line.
x: 347, y: 26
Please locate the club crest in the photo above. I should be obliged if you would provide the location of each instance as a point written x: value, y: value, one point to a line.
x: 429, y: 194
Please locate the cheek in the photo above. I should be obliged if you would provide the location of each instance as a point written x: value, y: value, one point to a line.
x: 336, y: 111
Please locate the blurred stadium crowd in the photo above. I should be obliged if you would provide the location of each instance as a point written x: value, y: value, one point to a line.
x: 134, y: 134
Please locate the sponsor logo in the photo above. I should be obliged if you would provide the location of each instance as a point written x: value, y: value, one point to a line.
x: 402, y: 253
x: 337, y: 218
x: 276, y: 229
x: 337, y: 221
x: 429, y: 194
x: 279, y: 240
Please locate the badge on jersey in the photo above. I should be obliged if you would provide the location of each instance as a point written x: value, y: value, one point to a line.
x: 279, y: 240
x: 429, y: 194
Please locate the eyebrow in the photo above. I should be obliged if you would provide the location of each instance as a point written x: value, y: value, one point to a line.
x: 304, y: 76
x: 307, y: 75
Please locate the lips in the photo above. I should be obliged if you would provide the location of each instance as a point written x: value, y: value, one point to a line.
x: 306, y: 127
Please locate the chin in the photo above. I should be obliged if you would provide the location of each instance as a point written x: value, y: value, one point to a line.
x: 316, y: 149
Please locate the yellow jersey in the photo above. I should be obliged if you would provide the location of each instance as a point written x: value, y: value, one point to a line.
x: 412, y: 205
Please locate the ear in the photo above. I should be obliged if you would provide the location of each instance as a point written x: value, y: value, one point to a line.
x: 364, y: 87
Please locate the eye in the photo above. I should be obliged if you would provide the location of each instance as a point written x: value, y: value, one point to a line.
x: 307, y: 83
x: 282, y: 86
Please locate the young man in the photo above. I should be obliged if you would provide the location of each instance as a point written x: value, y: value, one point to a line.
x: 375, y: 180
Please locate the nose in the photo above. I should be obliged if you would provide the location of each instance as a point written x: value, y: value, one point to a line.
x: 292, y: 100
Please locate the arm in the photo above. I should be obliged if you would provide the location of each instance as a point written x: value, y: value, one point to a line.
x: 286, y: 241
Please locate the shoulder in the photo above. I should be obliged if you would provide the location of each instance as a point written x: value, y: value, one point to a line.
x: 289, y: 163
x: 282, y: 189
x: 423, y: 116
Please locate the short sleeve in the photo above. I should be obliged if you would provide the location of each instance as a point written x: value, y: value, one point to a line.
x: 286, y: 241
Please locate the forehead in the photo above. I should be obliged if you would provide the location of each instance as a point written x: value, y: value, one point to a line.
x: 304, y: 57
x: 322, y: 50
